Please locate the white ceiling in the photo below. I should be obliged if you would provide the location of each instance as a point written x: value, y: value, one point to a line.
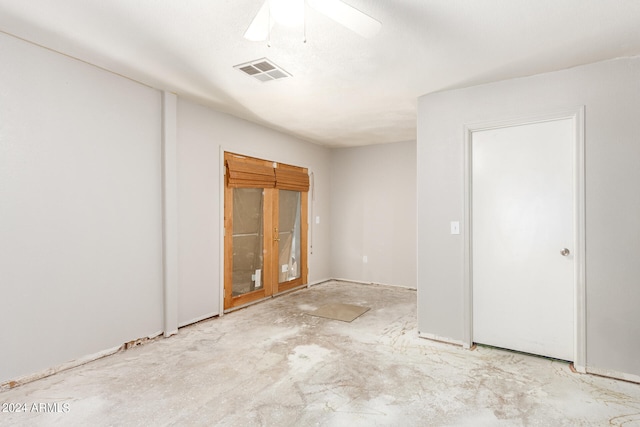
x: 346, y: 90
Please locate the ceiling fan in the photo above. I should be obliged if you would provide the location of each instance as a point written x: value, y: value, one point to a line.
x: 292, y: 13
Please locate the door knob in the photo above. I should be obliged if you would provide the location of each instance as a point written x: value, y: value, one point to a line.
x: 565, y: 252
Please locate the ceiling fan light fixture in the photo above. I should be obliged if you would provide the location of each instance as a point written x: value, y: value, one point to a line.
x: 259, y: 28
x: 292, y: 13
x: 289, y: 13
x: 350, y: 17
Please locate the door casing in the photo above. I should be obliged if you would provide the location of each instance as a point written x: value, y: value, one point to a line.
x: 577, y: 116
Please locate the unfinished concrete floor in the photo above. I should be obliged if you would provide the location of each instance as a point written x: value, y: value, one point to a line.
x: 274, y: 365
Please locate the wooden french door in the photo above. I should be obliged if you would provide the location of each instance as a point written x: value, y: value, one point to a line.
x: 265, y: 221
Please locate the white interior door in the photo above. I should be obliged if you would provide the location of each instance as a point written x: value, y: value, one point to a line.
x: 522, y: 219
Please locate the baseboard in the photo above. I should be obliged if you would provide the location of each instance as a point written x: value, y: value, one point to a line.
x: 581, y: 369
x: 198, y: 319
x: 75, y: 363
x: 613, y: 374
x: 319, y: 282
x: 358, y: 282
x: 438, y: 338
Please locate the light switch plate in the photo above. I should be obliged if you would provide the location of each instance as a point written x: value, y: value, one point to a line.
x: 455, y: 227
x: 317, y: 220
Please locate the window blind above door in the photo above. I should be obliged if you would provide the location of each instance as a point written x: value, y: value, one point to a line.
x: 247, y: 172
x: 289, y: 179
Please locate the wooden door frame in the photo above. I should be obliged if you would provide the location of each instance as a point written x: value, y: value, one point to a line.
x: 272, y: 287
x: 577, y: 116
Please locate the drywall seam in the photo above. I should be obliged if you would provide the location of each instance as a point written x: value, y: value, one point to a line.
x: 170, y: 212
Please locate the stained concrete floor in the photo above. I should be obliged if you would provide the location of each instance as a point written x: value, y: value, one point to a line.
x: 274, y: 365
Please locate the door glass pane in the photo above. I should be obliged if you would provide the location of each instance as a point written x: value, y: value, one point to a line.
x: 247, y: 240
x: 289, y: 235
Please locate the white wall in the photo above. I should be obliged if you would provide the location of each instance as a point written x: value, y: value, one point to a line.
x: 80, y: 219
x: 611, y: 93
x: 373, y: 213
x: 81, y: 187
x: 81, y: 208
x: 201, y: 133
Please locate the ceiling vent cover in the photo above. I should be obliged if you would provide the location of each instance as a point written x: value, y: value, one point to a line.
x: 263, y: 70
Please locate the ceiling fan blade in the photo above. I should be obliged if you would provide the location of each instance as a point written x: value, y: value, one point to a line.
x: 259, y: 28
x: 348, y: 16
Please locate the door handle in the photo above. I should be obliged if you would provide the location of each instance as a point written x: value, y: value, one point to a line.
x: 275, y: 232
x: 565, y: 252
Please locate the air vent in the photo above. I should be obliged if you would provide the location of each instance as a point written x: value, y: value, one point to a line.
x: 263, y: 70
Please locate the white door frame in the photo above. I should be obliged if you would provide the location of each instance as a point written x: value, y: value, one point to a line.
x: 577, y: 115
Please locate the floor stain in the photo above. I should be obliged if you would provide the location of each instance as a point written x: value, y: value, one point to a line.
x: 273, y: 364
